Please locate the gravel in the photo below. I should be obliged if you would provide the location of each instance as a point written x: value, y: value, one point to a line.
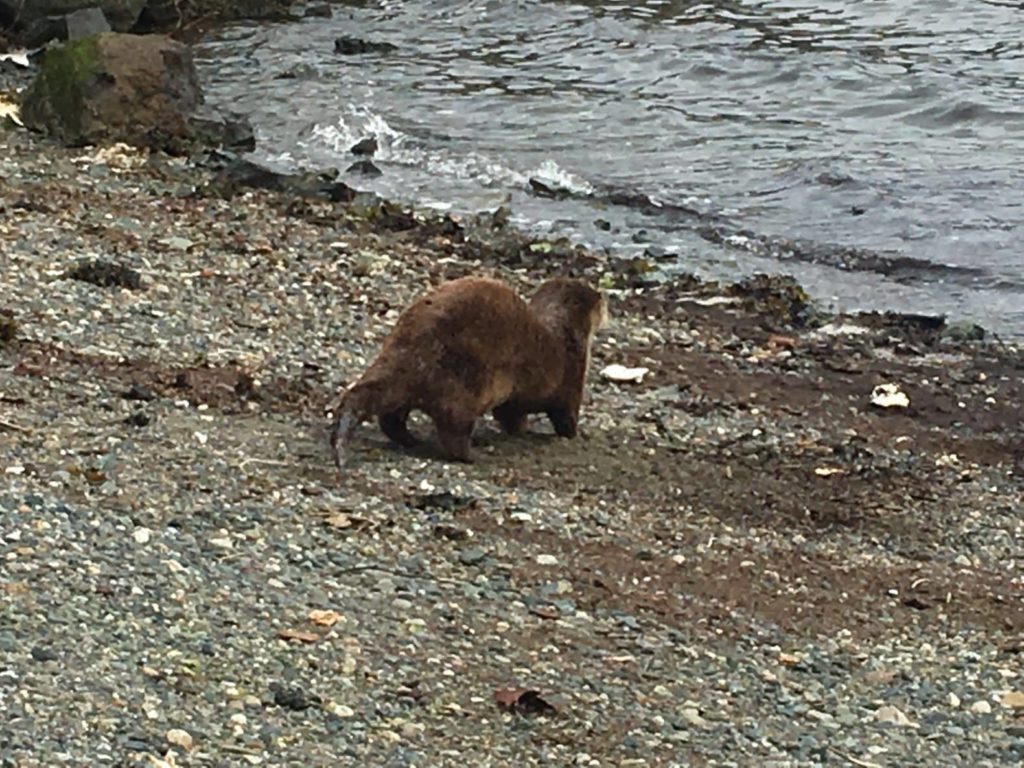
x: 740, y: 562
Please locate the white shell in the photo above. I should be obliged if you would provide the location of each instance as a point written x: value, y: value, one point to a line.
x: 889, y: 396
x: 616, y: 372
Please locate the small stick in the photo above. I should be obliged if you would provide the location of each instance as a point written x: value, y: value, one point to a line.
x: 13, y: 427
x: 854, y: 760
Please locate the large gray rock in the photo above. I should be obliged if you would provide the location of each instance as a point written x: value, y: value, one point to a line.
x: 73, y: 26
x: 120, y: 14
x: 137, y: 89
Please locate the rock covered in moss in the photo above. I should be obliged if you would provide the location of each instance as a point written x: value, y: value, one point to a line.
x: 114, y: 87
x: 120, y: 14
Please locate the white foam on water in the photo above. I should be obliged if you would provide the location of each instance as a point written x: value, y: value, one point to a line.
x: 396, y: 147
x: 555, y: 176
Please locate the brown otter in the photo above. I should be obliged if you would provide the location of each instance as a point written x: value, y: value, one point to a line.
x: 473, y: 345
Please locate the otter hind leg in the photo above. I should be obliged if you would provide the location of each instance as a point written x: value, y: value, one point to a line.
x: 564, y: 420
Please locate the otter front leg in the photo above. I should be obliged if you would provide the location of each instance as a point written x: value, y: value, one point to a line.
x: 564, y: 420
x: 393, y: 424
x: 513, y: 420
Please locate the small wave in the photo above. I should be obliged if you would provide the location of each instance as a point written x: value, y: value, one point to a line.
x: 552, y: 175
x: 359, y: 123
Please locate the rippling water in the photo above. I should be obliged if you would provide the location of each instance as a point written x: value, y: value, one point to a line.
x: 872, y: 149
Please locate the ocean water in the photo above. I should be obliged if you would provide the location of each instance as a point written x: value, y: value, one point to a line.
x: 873, y: 149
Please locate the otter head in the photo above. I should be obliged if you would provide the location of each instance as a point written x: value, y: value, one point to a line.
x: 570, y: 306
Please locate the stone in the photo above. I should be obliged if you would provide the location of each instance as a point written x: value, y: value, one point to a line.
x: 981, y: 707
x: 472, y: 556
x: 121, y: 15
x: 108, y: 88
x: 364, y: 147
x: 364, y: 167
x: 317, y: 11
x: 893, y: 716
x: 177, y: 737
x: 1013, y: 700
x: 230, y: 131
x: 85, y: 23
x: 354, y: 46
x: 241, y: 172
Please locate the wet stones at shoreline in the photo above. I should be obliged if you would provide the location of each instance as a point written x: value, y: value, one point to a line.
x: 233, y: 172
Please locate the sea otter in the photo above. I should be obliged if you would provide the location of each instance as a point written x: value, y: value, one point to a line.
x: 471, y: 346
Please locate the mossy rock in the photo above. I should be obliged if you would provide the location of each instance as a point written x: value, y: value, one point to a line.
x: 56, y: 96
x: 114, y: 87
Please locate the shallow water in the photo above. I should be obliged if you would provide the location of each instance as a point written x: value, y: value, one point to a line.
x: 722, y: 132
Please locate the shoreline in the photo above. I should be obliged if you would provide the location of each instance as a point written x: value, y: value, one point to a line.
x: 741, y: 560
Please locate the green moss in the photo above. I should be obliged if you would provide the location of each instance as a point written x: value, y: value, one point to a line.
x: 54, y: 101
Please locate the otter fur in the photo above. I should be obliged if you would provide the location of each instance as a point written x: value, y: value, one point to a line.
x: 470, y: 346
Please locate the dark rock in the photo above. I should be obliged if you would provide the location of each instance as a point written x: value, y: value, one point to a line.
x: 472, y: 556
x: 239, y: 172
x: 353, y: 46
x: 603, y: 225
x: 365, y: 146
x: 293, y: 697
x: 85, y: 23
x: 857, y: 210
x: 365, y: 168
x: 137, y: 744
x: 658, y: 253
x: 138, y: 419
x: 393, y: 217
x: 22, y: 14
x: 8, y: 326
x: 170, y: 15
x: 229, y: 131
x: 41, y: 31
x: 317, y: 11
x: 962, y: 332
x: 542, y: 189
x: 776, y: 298
x: 44, y: 654
x: 157, y: 15
x: 105, y: 274
x: 139, y: 392
x: 831, y: 179
x: 451, y: 228
x: 443, y: 500
x: 114, y: 87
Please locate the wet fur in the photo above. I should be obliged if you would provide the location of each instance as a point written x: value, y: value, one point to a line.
x: 473, y: 346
